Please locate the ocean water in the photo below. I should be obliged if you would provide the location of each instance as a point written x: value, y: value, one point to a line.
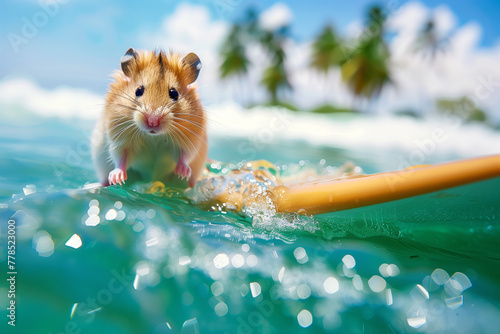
x: 148, y: 259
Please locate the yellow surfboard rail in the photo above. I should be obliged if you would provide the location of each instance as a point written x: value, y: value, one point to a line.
x: 336, y: 195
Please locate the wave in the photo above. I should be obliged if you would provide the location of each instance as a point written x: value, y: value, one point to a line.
x: 417, y: 139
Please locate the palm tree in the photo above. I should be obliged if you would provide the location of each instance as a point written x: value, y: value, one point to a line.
x: 428, y: 40
x: 275, y: 76
x: 366, y: 70
x: 235, y: 61
x: 327, y: 50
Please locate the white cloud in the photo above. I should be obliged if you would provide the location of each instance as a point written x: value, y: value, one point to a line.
x: 191, y: 29
x: 277, y: 16
x: 64, y: 102
x: 457, y: 70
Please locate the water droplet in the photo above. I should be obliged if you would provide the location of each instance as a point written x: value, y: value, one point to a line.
x: 349, y: 261
x: 331, y: 285
x: 43, y: 244
x: 138, y: 227
x: 111, y: 214
x: 221, y: 260
x: 388, y: 297
x: 252, y: 260
x: 255, y: 289
x: 93, y: 202
x: 93, y: 211
x: 462, y: 279
x: 237, y: 260
x: 357, y: 282
x: 151, y: 213
x: 221, y: 309
x: 454, y: 302
x: 73, y: 309
x: 245, y: 248
x: 419, y: 294
x: 120, y: 215
x: 29, y: 189
x: 184, y: 260
x: 93, y: 221
x: 304, y: 291
x: 377, y: 283
x: 300, y: 255
x: 305, y: 318
x: 417, y: 322
x: 118, y: 205
x: 439, y: 276
x: 75, y: 241
x: 217, y: 288
x: 281, y: 273
x: 152, y: 242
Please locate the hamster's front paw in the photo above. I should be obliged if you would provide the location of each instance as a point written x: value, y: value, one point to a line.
x: 117, y: 176
x: 183, y: 170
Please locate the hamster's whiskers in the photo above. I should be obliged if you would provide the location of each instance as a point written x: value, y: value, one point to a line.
x: 127, y: 97
x: 190, y: 131
x: 122, y: 106
x: 184, y: 143
x: 116, y: 137
x: 198, y: 125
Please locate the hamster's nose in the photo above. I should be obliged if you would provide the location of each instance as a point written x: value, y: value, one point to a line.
x: 153, y: 121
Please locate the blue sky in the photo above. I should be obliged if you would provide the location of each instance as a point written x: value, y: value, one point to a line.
x: 81, y: 42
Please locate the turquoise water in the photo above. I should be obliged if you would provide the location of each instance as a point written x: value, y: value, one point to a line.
x: 121, y: 260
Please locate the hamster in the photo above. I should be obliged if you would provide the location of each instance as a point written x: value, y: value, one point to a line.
x: 153, y: 124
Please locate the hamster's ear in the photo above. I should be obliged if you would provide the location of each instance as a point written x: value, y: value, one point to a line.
x: 194, y: 64
x: 127, y: 60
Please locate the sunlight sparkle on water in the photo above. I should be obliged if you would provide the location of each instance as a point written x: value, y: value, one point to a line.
x: 305, y: 318
x: 349, y: 261
x: 331, y: 285
x: 221, y: 260
x: 281, y: 273
x: 237, y: 260
x: 43, y: 244
x: 184, y: 260
x: 217, y: 288
x: 300, y: 255
x: 75, y: 241
x: 454, y: 302
x: 357, y: 282
x: 255, y: 289
x: 111, y: 214
x: 377, y: 283
x: 221, y: 309
x: 304, y: 291
x: 417, y: 322
x: 439, y: 276
x: 252, y: 260
x: 419, y: 294
x: 388, y: 270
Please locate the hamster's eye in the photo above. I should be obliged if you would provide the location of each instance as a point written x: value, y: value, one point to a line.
x: 139, y: 91
x: 174, y: 95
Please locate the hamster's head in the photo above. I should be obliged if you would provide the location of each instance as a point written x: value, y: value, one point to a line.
x: 154, y: 91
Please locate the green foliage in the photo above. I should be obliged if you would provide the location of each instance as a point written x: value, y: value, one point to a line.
x: 327, y: 50
x: 235, y: 61
x: 330, y: 109
x: 463, y: 108
x: 366, y: 70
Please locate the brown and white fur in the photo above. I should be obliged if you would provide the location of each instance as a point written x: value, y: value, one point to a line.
x: 153, y: 122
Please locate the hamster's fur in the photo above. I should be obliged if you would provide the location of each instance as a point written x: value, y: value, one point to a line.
x: 153, y: 123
